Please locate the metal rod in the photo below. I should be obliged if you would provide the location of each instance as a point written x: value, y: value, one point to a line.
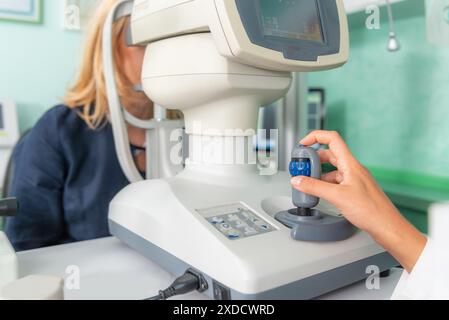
x: 390, y: 17
x: 393, y: 42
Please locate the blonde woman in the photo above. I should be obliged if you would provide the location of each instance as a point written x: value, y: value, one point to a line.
x: 66, y: 170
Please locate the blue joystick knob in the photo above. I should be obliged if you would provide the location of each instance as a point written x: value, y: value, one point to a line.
x: 300, y: 167
x: 305, y: 161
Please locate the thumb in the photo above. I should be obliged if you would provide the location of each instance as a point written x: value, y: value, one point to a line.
x: 318, y: 188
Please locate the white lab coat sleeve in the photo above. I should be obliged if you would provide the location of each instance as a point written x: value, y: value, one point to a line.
x: 429, y: 279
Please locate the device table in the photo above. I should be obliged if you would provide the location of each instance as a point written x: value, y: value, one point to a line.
x: 109, y: 270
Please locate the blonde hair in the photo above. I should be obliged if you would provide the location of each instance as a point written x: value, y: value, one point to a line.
x: 89, y: 91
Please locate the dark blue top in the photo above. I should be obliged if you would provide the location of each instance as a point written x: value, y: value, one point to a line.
x: 65, y: 175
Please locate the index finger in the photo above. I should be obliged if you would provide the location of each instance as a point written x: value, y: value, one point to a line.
x: 331, y: 138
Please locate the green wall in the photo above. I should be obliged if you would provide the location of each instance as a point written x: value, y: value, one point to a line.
x: 393, y: 108
x: 37, y: 62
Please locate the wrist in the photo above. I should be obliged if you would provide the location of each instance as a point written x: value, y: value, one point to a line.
x: 387, y: 223
x: 402, y: 240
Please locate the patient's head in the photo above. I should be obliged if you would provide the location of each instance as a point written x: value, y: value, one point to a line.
x: 89, y: 91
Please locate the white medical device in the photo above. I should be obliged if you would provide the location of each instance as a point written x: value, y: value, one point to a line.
x: 219, y: 61
x: 9, y: 134
x: 8, y: 261
x: 34, y: 288
x: 8, y: 258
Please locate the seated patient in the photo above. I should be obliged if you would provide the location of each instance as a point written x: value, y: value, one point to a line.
x: 66, y: 170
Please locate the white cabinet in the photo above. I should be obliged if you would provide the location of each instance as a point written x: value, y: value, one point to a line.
x: 360, y: 5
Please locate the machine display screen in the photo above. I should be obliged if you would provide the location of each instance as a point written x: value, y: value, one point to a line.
x: 1, y: 118
x: 291, y: 19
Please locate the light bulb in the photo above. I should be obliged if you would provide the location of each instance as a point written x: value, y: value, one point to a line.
x: 393, y: 43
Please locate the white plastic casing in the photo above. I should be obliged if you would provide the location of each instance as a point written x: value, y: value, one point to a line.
x: 34, y: 287
x: 8, y: 261
x: 153, y: 20
x: 215, y: 93
x: 9, y: 134
x: 164, y: 213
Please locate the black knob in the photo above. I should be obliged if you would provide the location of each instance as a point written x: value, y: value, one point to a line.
x: 304, y: 212
x: 8, y: 207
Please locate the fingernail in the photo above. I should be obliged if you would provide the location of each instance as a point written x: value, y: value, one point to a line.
x: 296, y: 181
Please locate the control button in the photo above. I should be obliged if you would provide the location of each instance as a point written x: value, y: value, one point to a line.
x: 255, y: 221
x: 263, y: 225
x: 225, y: 226
x: 217, y: 220
x: 250, y: 231
x: 245, y: 214
x: 233, y: 217
x: 233, y: 234
x: 300, y: 167
x: 240, y: 224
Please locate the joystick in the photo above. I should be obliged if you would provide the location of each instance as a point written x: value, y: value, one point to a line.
x: 307, y: 222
